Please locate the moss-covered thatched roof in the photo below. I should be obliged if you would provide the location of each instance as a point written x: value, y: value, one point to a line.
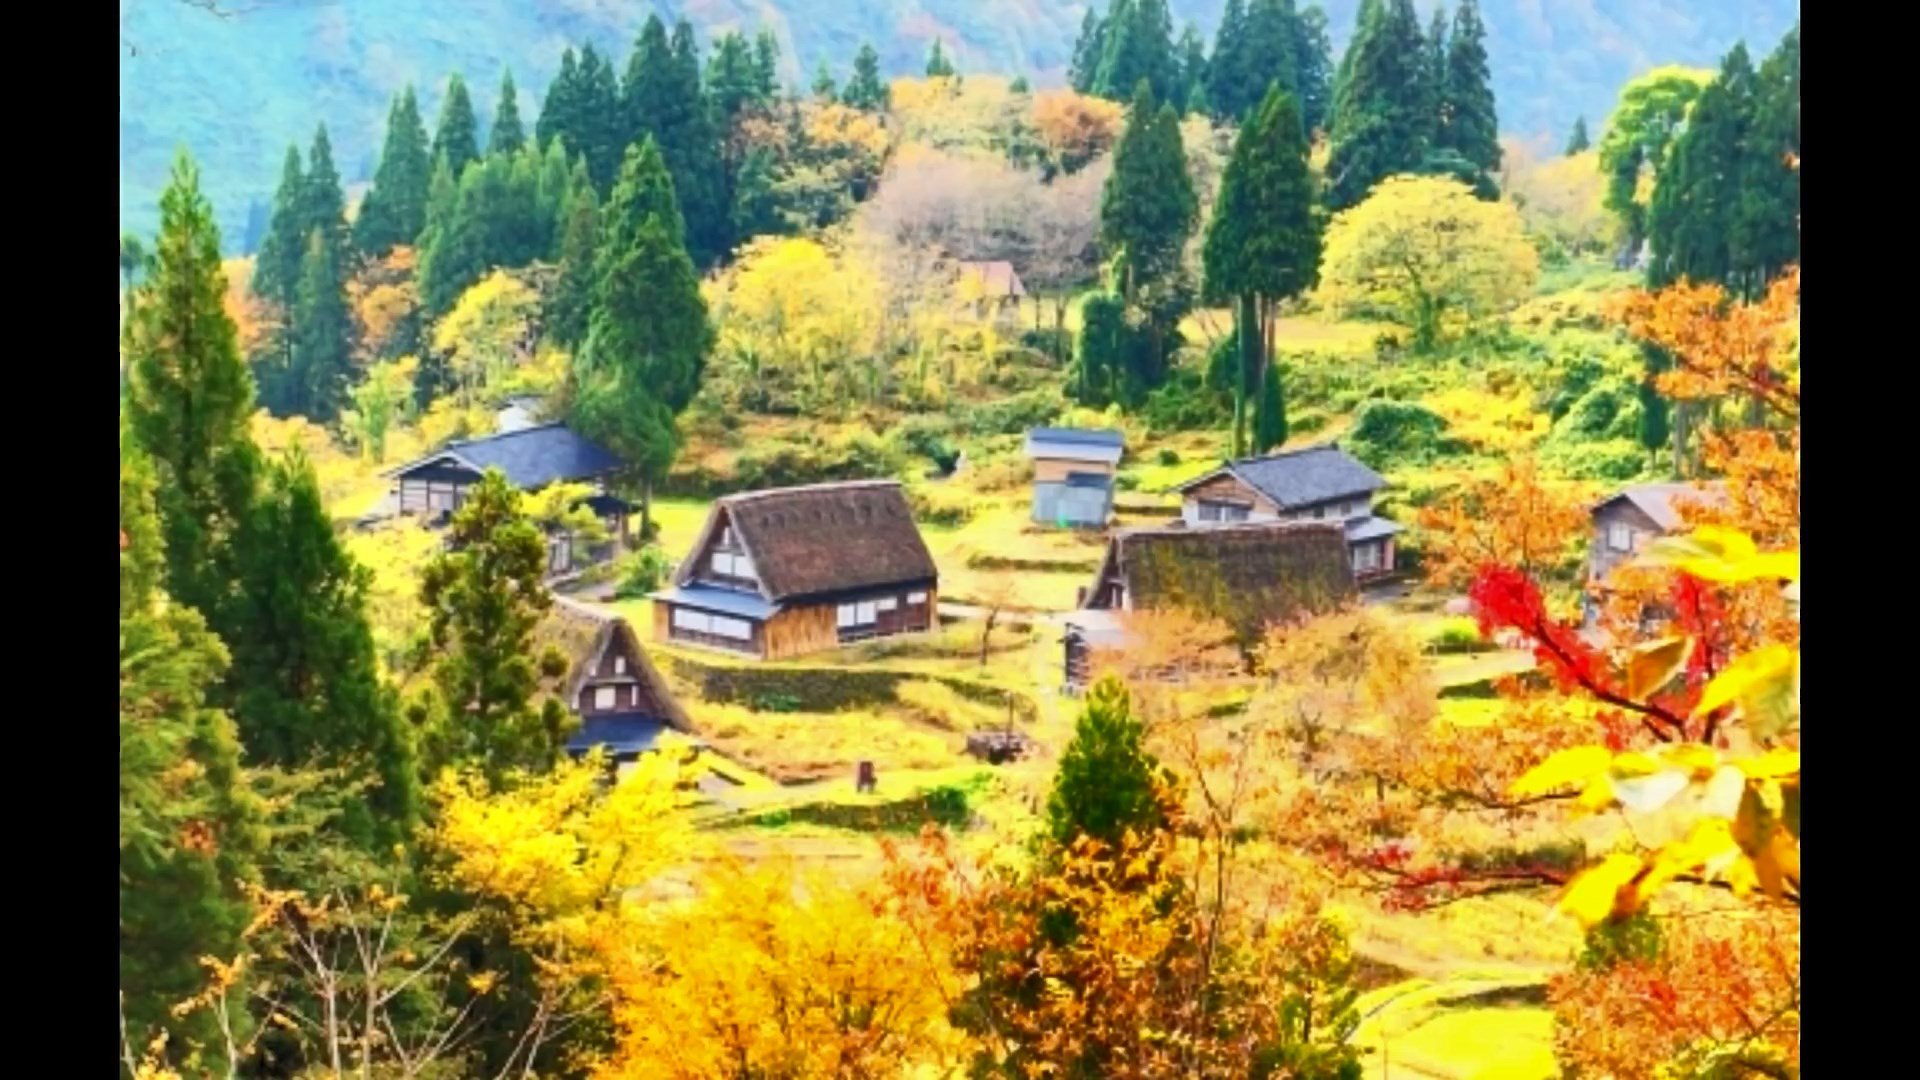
x: 1246, y: 575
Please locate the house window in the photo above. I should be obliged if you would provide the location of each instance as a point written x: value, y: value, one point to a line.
x: 728, y: 564
x: 1620, y: 536
x: 697, y: 621
x: 1366, y: 557
x: 916, y: 598
x: 885, y: 603
x: 619, y: 665
x: 726, y: 537
x: 861, y: 614
x: 1319, y: 513
x: 1219, y: 511
x: 737, y: 629
x: 603, y: 697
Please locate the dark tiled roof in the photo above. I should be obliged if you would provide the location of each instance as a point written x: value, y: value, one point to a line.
x: 1661, y: 502
x: 1076, y: 444
x: 531, y: 457
x: 822, y: 538
x: 623, y: 734
x: 1246, y: 575
x: 1303, y: 477
x: 1370, y: 528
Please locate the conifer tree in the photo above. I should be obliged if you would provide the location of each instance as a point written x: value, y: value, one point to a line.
x: 604, y: 125
x: 395, y: 208
x: 551, y: 192
x: 1270, y: 421
x: 326, y: 201
x: 190, y: 831
x: 1313, y: 67
x: 1379, y: 122
x: 730, y: 78
x: 190, y: 399
x: 321, y: 359
x: 1578, y: 142
x: 865, y: 90
x: 560, y: 110
x: 572, y: 295
x: 1767, y: 233
x: 1263, y: 240
x: 661, y: 99
x: 1089, y: 47
x: 456, y: 138
x: 1696, y: 207
x: 305, y: 683
x: 648, y: 334
x: 766, y: 66
x: 484, y: 595
x: 938, y: 66
x: 507, y: 136
x: 276, y: 270
x: 1472, y: 129
x: 1655, y: 428
x: 1138, y: 45
x: 824, y: 90
x: 1108, y: 782
x: 133, y: 259
x: 1268, y: 52
x: 1228, y: 72
x: 1147, y: 209
x: 1433, y: 78
x: 1192, y: 62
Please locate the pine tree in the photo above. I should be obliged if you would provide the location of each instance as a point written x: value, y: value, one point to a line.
x: 1472, y: 129
x: 190, y: 831
x: 484, y: 596
x: 648, y: 334
x: 1088, y: 48
x: 1696, y: 206
x: 766, y: 66
x: 133, y: 259
x: 1270, y: 421
x: 1100, y: 349
x: 507, y: 136
x: 1192, y: 66
x: 1268, y: 53
x: 1107, y: 783
x: 1379, y: 121
x: 865, y: 90
x: 551, y: 192
x: 1767, y: 230
x: 1313, y: 67
x: 1138, y: 45
x: 824, y: 90
x: 661, y: 99
x: 395, y: 208
x: 1433, y: 79
x: 276, y: 270
x: 325, y: 201
x: 1229, y: 69
x: 190, y: 399
x: 1655, y: 429
x: 560, y: 111
x: 571, y: 298
x: 322, y: 337
x: 605, y: 127
x: 306, y: 686
x: 1148, y: 209
x: 1577, y: 143
x: 730, y: 78
x: 454, y: 138
x: 938, y: 66
x: 1263, y: 240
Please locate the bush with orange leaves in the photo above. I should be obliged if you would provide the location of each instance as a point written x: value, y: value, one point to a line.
x: 1514, y: 517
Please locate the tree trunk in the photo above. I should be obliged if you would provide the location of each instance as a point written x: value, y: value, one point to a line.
x: 1246, y: 317
x: 646, y: 509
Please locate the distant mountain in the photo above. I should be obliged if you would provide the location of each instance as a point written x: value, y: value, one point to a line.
x: 236, y: 89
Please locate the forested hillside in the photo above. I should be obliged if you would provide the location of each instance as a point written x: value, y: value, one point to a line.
x: 283, y: 64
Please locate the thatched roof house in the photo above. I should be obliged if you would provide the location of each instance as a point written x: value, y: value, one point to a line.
x: 790, y: 570
x: 623, y: 702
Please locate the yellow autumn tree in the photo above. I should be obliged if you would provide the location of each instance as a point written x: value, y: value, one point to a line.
x: 799, y: 327
x: 488, y: 333
x: 1424, y: 252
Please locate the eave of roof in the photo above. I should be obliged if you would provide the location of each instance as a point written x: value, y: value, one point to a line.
x: 725, y: 601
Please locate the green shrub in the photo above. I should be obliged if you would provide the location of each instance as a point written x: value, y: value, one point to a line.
x: 780, y: 703
x: 928, y: 437
x: 642, y: 572
x: 1126, y: 482
x: 934, y: 505
x: 1168, y: 456
x: 1458, y: 635
x: 1388, y: 433
x: 950, y: 805
x: 1186, y: 403
x: 827, y: 689
x: 1615, y: 461
x: 1012, y: 415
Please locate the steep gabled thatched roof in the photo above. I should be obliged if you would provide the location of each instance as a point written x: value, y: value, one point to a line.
x: 582, y: 635
x: 822, y: 539
x: 1246, y: 575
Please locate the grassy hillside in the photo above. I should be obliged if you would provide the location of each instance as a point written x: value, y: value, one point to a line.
x: 283, y: 65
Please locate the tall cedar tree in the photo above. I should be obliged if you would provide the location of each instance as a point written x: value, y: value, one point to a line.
x: 1089, y: 47
x: 1138, y: 45
x: 496, y: 221
x: 276, y: 269
x: 456, y: 137
x: 1767, y: 236
x: 938, y: 66
x: 1472, y: 129
x: 730, y: 78
x: 1100, y: 352
x: 865, y: 90
x: 484, y: 595
x: 1228, y: 70
x: 824, y: 90
x: 1313, y: 67
x: 1697, y: 202
x: 326, y: 201
x: 1193, y: 70
x: 1148, y: 208
x: 1263, y: 240
x: 648, y: 335
x: 1270, y: 420
x: 560, y: 109
x: 661, y: 100
x: 395, y: 208
x: 316, y: 379
x: 598, y: 128
x: 1433, y: 78
x: 1107, y: 782
x: 190, y: 831
x: 766, y: 64
x: 1577, y: 143
x: 1269, y: 53
x: 571, y: 297
x: 551, y: 192
x: 508, y: 135
x: 1379, y: 119
x: 306, y: 686
x: 190, y: 398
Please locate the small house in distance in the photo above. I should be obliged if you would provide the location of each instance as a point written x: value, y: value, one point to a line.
x: 623, y: 703
x: 532, y: 458
x: 1315, y: 483
x: 1073, y: 474
x: 995, y: 283
x: 1246, y: 575
x: 787, y: 571
x: 1623, y: 523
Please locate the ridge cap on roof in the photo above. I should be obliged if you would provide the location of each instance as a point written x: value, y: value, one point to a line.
x: 1296, y: 452
x: 828, y: 485
x: 509, y: 434
x: 1227, y: 527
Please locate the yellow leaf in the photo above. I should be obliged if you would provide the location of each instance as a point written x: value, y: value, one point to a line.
x: 1574, y: 766
x: 1597, y: 796
x: 1751, y: 675
x: 1700, y: 761
x: 1635, y: 763
x: 1783, y: 565
x: 1590, y: 897
x: 1654, y: 665
x: 1772, y: 765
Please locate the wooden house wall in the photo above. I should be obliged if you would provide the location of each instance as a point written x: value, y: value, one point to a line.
x: 1227, y: 488
x: 1601, y: 558
x: 799, y: 630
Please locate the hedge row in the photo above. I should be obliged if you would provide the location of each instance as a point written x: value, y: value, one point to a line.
x: 825, y: 689
x: 983, y: 561
x: 947, y: 805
